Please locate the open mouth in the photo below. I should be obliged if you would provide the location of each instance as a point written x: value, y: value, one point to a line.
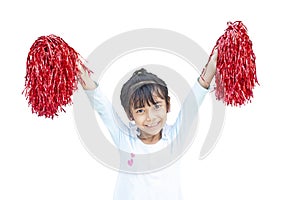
x: 152, y: 125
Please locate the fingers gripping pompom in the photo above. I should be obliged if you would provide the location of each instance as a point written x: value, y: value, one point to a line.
x: 52, y: 75
x: 236, y: 70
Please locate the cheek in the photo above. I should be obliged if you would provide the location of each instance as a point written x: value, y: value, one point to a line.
x: 138, y: 119
x: 163, y: 114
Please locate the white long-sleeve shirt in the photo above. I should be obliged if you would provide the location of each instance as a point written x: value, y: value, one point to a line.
x: 162, y: 184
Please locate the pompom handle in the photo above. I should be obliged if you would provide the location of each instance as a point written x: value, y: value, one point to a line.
x: 52, y: 75
x: 236, y: 69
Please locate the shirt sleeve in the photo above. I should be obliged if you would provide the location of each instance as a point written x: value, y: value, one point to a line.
x: 110, y: 118
x: 188, y: 113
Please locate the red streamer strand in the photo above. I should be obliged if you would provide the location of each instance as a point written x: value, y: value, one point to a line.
x: 236, y: 69
x: 51, y: 75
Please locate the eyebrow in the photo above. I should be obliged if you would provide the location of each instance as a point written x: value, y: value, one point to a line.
x: 159, y: 101
x: 156, y: 102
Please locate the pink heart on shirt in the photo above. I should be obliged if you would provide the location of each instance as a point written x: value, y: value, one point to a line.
x: 130, y: 162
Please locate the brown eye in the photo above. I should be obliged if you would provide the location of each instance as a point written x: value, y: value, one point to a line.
x: 157, y: 106
x: 139, y: 111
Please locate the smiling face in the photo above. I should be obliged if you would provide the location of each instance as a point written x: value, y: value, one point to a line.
x: 150, y: 118
x: 145, y: 100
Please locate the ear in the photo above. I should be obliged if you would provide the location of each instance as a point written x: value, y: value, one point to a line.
x: 168, y: 104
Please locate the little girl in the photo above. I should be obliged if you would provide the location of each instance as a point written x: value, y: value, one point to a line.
x: 145, y: 100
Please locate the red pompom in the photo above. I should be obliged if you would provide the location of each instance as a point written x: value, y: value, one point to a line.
x: 51, y: 75
x: 236, y: 70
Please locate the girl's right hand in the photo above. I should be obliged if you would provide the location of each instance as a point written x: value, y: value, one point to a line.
x: 85, y: 80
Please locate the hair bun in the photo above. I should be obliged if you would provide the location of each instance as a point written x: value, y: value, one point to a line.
x: 141, y: 71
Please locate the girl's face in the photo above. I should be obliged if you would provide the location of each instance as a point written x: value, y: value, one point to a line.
x: 150, y: 119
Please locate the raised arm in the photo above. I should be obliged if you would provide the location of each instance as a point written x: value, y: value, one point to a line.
x: 103, y: 107
x: 189, y: 109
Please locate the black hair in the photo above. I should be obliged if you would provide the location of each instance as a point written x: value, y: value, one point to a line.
x: 139, y: 90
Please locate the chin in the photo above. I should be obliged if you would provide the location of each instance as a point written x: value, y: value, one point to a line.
x: 147, y: 132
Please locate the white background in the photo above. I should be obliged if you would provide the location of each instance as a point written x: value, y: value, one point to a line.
x: 257, y: 156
